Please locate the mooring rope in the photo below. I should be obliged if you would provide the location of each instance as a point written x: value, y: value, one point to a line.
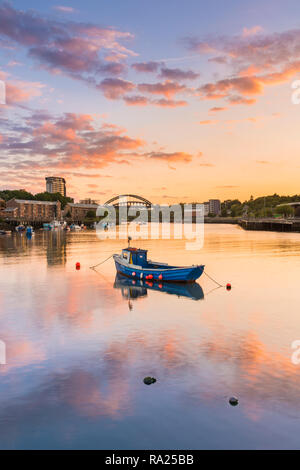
x: 216, y: 282
x: 96, y: 265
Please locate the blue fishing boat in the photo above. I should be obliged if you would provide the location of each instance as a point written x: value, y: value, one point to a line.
x: 133, y: 263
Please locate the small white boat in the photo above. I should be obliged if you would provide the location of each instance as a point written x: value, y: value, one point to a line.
x: 56, y: 224
x: 75, y: 227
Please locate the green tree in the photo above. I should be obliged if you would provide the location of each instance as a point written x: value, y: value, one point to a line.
x: 285, y: 210
x: 8, y: 194
x: 91, y: 214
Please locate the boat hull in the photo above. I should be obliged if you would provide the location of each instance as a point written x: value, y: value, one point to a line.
x: 178, y: 274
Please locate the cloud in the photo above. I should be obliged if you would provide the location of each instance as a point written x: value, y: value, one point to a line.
x: 64, y: 9
x: 114, y: 88
x: 136, y: 100
x: 178, y: 74
x: 71, y: 143
x: 18, y: 91
x: 68, y: 142
x: 166, y: 103
x: 167, y: 88
x: 217, y: 109
x: 75, y: 49
x: 252, y: 31
x: 13, y: 63
x: 171, y: 157
x: 207, y: 121
x: 146, y: 67
x: 254, y: 59
x: 242, y: 85
x: 240, y: 100
x: 218, y: 60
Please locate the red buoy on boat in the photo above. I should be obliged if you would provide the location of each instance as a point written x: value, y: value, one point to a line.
x: 160, y: 277
x: 133, y: 273
x: 228, y: 286
x: 149, y: 276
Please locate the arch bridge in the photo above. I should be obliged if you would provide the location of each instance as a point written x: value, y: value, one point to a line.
x: 128, y: 200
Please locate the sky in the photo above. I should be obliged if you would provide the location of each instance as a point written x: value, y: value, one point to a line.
x: 176, y: 101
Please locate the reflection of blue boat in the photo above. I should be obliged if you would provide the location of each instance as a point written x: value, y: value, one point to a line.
x: 132, y: 289
x: 29, y: 231
x: 134, y: 264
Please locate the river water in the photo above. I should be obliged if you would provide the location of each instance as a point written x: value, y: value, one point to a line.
x: 80, y: 342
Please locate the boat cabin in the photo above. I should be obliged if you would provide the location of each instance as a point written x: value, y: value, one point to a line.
x: 135, y: 256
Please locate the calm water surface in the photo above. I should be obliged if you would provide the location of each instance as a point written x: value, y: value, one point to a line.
x: 79, y: 344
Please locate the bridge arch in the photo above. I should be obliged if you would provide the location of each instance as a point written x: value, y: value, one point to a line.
x: 130, y: 199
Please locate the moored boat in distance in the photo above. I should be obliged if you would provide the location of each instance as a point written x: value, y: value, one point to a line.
x: 133, y: 263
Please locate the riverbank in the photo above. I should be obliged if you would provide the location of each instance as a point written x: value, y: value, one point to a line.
x: 222, y: 220
x: 271, y: 225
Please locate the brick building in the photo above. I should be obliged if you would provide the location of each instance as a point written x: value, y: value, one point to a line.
x: 78, y: 212
x: 30, y: 211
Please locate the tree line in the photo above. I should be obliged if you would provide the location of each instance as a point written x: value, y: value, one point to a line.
x: 263, y: 206
x: 8, y: 194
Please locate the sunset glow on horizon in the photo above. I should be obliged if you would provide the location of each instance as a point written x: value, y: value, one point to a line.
x: 177, y: 102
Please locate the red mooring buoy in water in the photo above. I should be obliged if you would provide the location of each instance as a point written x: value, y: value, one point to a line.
x: 228, y: 286
x: 77, y: 265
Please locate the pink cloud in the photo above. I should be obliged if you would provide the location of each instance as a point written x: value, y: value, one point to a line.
x: 20, y: 91
x: 136, y: 100
x: 146, y: 67
x: 65, y: 47
x: 240, y: 100
x: 207, y: 121
x: 217, y: 109
x: 70, y: 141
x: 178, y: 74
x: 64, y: 9
x: 252, y: 31
x: 114, y: 88
x: 256, y: 60
x: 166, y: 103
x: 143, y: 101
x: 167, y: 88
x: 172, y: 156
